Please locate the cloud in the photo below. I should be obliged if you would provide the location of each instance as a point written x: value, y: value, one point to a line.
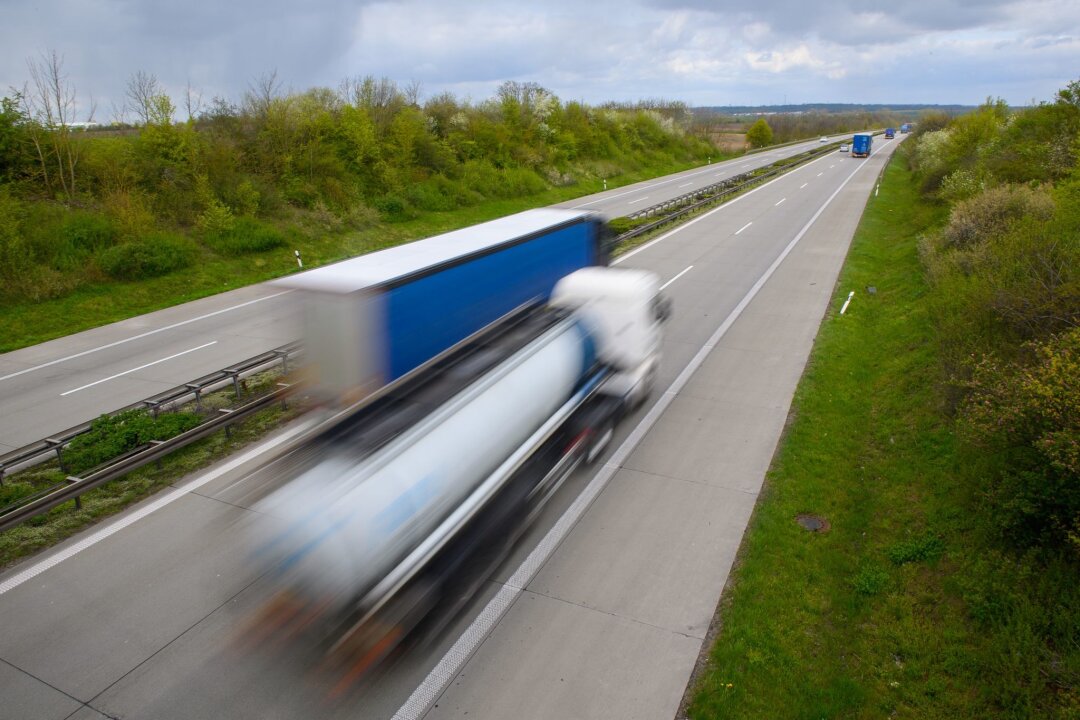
x: 700, y: 51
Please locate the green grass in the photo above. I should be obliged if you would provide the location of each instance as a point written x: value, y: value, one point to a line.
x: 902, y: 608
x: 99, y: 303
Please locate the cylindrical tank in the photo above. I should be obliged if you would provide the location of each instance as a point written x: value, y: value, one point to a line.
x: 340, y: 527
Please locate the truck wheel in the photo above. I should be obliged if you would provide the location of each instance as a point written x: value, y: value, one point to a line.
x: 601, y: 438
x: 645, y: 389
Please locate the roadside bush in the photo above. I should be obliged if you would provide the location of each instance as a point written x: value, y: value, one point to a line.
x: 156, y: 254
x: 110, y: 437
x: 247, y: 235
x: 395, y: 208
x: 1028, y: 415
x: 990, y: 213
x: 89, y: 232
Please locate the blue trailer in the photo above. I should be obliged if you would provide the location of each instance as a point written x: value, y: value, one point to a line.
x: 890, y: 133
x: 374, y: 319
x: 861, y: 144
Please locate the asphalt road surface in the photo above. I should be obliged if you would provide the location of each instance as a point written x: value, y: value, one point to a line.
x: 600, y: 611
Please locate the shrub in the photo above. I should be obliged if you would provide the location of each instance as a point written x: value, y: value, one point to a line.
x: 990, y: 213
x: 395, y: 208
x: 1028, y: 416
x: 89, y: 232
x: 112, y: 436
x: 155, y: 255
x: 247, y: 235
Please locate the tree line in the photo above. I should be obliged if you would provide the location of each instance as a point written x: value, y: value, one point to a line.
x: 235, y: 175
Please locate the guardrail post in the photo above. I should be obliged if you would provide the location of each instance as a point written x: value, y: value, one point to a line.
x: 236, y: 384
x: 198, y: 395
x: 71, y: 480
x: 59, y: 446
x: 284, y: 361
x: 152, y: 406
x: 284, y: 401
x: 228, y: 428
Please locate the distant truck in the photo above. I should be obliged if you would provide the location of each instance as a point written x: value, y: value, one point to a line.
x: 905, y: 128
x: 861, y: 144
x: 372, y: 320
x: 890, y: 133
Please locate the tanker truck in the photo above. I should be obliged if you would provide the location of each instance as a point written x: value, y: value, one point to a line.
x: 378, y: 510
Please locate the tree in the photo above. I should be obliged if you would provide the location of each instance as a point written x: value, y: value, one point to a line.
x: 49, y: 105
x: 12, y: 137
x: 759, y: 134
x: 142, y: 88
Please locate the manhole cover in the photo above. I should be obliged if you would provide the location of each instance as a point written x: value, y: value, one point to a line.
x: 813, y: 523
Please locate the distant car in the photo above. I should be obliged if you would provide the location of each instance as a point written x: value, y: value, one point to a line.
x: 824, y: 139
x: 845, y: 148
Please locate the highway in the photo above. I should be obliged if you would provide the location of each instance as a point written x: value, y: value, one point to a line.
x: 601, y: 609
x: 50, y: 387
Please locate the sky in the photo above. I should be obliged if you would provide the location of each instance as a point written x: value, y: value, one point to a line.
x: 700, y: 52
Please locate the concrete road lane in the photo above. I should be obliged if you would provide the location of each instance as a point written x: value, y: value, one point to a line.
x: 155, y: 352
x: 138, y: 623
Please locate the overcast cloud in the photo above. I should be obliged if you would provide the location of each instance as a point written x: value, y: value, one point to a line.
x: 701, y: 52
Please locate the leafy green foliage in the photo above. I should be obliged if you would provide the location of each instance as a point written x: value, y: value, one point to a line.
x: 759, y: 134
x: 928, y: 547
x: 112, y: 436
x: 245, y: 235
x: 1027, y: 413
x: 157, y: 254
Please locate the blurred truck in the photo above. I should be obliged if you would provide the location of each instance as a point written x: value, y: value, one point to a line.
x: 890, y: 133
x: 372, y: 320
x: 381, y: 506
x: 905, y: 128
x: 861, y: 144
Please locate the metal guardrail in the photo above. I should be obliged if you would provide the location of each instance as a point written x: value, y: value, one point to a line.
x: 161, y: 402
x: 716, y: 192
x: 73, y: 487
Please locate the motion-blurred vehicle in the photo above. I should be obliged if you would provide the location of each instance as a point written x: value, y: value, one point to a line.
x: 384, y: 504
x: 845, y: 147
x: 823, y: 139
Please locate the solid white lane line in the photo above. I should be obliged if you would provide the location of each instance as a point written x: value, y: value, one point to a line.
x: 803, y: 185
x: 428, y: 691
x: 676, y: 277
x: 142, y: 335
x: 631, y: 202
x: 112, y: 528
x: 744, y: 227
x: 778, y: 203
x: 128, y: 372
x: 686, y: 184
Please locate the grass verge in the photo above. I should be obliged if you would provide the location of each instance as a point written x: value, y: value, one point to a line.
x: 903, y: 607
